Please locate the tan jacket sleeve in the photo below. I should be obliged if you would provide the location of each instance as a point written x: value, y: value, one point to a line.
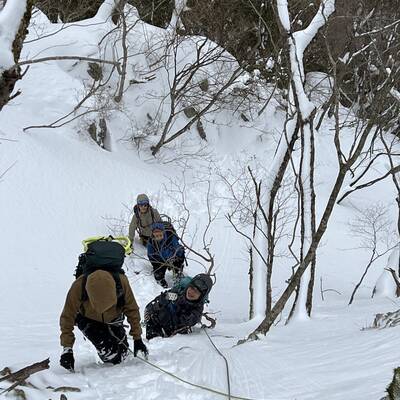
x: 132, y: 228
x: 68, y: 315
x: 131, y: 309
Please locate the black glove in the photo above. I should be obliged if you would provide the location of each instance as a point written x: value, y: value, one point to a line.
x: 138, y: 345
x: 67, y: 359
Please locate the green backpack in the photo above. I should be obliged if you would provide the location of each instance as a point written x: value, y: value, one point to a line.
x: 103, y: 253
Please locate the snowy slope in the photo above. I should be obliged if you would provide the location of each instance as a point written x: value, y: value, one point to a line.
x: 61, y: 187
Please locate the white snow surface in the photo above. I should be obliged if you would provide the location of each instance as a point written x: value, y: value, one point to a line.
x: 58, y: 187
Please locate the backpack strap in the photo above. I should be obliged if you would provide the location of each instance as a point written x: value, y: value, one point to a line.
x: 120, y: 291
x: 136, y: 212
x: 152, y: 213
x: 84, y: 295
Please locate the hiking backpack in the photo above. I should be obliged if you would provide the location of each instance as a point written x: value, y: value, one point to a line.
x: 166, y: 221
x: 107, y: 254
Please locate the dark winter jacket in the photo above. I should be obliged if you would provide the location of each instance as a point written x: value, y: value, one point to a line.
x: 171, y: 312
x: 165, y: 250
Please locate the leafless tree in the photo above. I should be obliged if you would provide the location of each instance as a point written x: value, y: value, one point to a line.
x: 249, y: 218
x: 375, y: 231
x: 188, y: 94
x: 177, y: 191
x: 347, y: 157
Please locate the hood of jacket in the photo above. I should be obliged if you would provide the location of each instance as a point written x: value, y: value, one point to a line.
x: 101, y: 290
x: 142, y: 199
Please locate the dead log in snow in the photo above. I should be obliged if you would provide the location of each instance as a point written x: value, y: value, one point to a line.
x: 388, y: 320
x: 19, y: 377
x: 25, y: 372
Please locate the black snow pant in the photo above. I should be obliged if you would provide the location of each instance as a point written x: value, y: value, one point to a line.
x: 109, y: 340
x: 153, y: 330
x: 159, y: 269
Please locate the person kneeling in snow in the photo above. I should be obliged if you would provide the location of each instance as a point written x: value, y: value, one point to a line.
x: 165, y: 252
x: 97, y: 308
x: 178, y: 309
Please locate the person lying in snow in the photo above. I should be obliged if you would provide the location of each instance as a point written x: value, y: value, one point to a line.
x: 165, y: 252
x: 144, y: 216
x: 178, y: 309
x: 98, y: 311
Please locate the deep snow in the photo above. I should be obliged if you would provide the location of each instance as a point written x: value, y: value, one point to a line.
x: 62, y: 188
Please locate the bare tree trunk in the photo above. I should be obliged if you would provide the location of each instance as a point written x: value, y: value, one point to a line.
x: 9, y: 78
x: 251, y: 267
x: 266, y: 324
x: 120, y: 17
x: 397, y: 186
x: 270, y: 218
x: 310, y: 290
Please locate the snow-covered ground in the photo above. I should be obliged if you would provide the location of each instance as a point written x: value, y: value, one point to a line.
x: 60, y: 188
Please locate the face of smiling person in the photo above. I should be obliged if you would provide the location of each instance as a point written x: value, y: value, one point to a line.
x: 158, y: 235
x: 143, y: 208
x: 192, y: 293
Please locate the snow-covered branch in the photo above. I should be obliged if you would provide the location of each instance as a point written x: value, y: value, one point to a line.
x: 298, y: 42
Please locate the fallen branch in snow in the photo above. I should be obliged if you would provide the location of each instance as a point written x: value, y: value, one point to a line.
x: 213, y: 321
x: 388, y: 320
x: 7, y: 170
x: 63, y: 58
x: 25, y: 372
x: 21, y: 375
x: 64, y: 389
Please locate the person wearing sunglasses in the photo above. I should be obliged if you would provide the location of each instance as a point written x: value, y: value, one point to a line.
x: 144, y: 215
x: 165, y: 252
x: 178, y: 309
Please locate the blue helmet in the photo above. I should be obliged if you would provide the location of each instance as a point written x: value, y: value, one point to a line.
x: 157, y: 226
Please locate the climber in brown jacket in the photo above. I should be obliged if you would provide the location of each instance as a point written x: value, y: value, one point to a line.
x: 98, y: 310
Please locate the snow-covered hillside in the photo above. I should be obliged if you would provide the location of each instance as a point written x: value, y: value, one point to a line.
x: 60, y: 187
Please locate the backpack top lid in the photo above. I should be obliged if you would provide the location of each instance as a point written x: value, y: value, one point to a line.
x: 105, y: 254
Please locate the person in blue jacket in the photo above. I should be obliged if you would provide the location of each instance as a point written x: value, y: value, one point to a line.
x: 165, y: 252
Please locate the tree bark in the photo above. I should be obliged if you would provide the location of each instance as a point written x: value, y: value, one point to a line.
x: 9, y: 78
